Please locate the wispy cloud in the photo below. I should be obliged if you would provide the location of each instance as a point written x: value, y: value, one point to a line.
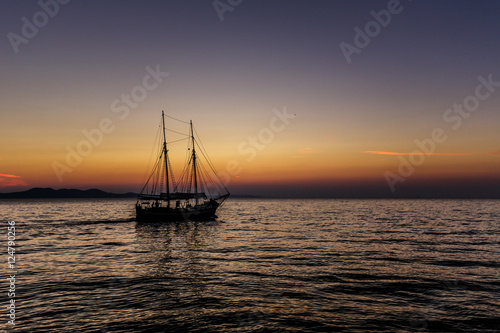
x: 495, y: 152
x: 306, y: 151
x: 378, y: 152
x: 9, y: 176
x: 7, y: 180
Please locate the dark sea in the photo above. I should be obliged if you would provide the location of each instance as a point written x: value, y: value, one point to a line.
x: 273, y: 265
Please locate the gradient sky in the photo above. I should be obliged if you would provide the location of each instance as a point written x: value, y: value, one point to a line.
x: 354, y: 122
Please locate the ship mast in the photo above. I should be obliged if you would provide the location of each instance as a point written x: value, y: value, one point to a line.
x: 194, y: 166
x: 166, y: 158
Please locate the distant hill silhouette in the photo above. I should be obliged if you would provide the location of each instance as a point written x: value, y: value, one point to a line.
x: 38, y: 192
x: 246, y: 196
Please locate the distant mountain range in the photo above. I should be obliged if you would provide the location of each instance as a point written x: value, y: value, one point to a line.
x: 50, y: 193
x: 38, y: 192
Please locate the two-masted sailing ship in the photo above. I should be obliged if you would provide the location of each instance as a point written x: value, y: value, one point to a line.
x: 196, y: 195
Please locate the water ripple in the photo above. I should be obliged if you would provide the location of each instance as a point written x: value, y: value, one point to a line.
x: 265, y: 265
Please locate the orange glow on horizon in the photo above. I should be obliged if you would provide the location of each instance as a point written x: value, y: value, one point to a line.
x: 376, y: 152
x: 129, y: 169
x: 125, y: 157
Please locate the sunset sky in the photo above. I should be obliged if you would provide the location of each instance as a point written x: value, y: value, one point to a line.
x: 291, y: 98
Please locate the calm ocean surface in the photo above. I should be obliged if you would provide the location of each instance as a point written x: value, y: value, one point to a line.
x: 274, y: 265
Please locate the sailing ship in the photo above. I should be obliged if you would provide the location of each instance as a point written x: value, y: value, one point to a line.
x: 197, y: 194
